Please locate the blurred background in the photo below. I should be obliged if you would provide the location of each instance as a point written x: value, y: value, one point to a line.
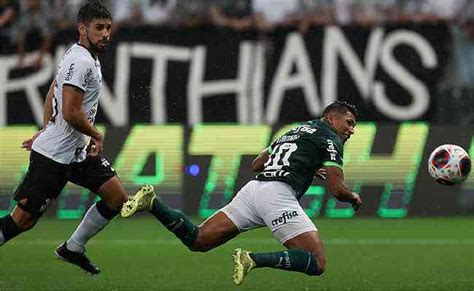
x: 193, y: 90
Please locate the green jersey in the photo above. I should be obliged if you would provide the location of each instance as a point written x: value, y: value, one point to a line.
x: 299, y: 153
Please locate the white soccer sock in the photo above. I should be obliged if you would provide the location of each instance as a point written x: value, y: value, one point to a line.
x: 92, y: 223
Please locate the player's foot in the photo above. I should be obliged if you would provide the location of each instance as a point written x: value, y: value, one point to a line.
x: 243, y: 263
x: 142, y: 201
x: 76, y: 258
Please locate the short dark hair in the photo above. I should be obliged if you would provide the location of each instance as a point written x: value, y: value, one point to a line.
x: 340, y: 107
x: 93, y: 10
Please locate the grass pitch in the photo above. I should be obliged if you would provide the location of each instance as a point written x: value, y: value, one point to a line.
x: 139, y: 254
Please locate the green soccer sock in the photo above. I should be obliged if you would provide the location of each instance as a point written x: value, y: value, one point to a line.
x: 290, y: 260
x: 176, y: 222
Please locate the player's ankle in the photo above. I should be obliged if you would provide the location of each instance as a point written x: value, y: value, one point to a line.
x: 74, y: 246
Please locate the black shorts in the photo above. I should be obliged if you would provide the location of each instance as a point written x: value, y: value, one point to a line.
x: 45, y: 179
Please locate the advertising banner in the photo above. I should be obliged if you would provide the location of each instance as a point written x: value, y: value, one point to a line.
x: 163, y: 75
x: 200, y: 168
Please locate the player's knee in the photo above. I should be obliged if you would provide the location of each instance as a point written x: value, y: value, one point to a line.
x: 25, y: 216
x: 196, y: 247
x: 320, y: 265
x: 117, y: 201
x: 26, y: 223
x: 201, y: 244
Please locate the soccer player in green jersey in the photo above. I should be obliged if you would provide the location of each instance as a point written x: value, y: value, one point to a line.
x: 286, y: 170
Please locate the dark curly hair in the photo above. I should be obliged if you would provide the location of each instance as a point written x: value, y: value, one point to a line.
x: 93, y: 10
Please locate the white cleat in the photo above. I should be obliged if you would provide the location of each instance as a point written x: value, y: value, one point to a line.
x: 243, y: 264
x: 142, y: 201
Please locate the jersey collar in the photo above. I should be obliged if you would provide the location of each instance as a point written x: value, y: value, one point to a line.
x: 92, y: 55
x: 328, y: 126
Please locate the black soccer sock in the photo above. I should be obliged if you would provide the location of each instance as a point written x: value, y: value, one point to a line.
x: 106, y: 211
x: 176, y: 222
x: 290, y: 260
x: 8, y: 229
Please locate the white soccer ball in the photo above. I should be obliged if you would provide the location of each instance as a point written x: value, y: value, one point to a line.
x: 449, y: 164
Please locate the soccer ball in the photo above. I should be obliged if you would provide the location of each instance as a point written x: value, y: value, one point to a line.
x: 449, y: 164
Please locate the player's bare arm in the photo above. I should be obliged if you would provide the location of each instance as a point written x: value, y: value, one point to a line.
x: 259, y: 162
x: 76, y: 117
x: 335, y: 178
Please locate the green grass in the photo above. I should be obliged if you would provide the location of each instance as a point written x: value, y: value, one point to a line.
x: 139, y: 254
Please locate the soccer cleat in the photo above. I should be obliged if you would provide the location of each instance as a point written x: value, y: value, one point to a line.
x: 76, y: 258
x: 142, y: 201
x: 243, y: 264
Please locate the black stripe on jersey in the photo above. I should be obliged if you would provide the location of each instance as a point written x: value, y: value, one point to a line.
x: 75, y: 87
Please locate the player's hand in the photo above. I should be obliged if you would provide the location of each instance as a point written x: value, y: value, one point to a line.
x: 321, y: 174
x: 96, y: 146
x: 356, y: 201
x: 26, y: 144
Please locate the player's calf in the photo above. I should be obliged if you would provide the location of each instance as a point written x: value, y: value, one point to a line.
x: 8, y: 229
x: 113, y: 194
x: 14, y: 224
x: 214, y: 232
x: 24, y: 222
x: 116, y: 203
x: 291, y: 260
x: 173, y: 219
x: 96, y: 218
x: 176, y: 222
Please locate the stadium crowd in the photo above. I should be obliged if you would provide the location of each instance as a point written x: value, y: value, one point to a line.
x: 18, y: 17
x: 39, y: 20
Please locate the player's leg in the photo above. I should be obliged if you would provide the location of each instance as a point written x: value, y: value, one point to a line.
x: 15, y: 223
x: 305, y: 254
x: 96, y: 175
x: 224, y: 225
x: 291, y: 226
x: 215, y: 231
x: 173, y: 219
x: 99, y: 214
x: 42, y: 184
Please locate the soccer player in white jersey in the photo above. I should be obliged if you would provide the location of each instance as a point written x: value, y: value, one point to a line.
x: 69, y: 147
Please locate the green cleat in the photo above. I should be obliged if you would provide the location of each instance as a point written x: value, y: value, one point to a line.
x: 243, y: 264
x: 142, y: 201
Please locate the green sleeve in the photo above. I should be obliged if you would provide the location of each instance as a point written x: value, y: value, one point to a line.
x: 331, y: 151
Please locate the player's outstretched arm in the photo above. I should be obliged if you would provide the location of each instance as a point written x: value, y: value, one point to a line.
x: 337, y: 186
x: 259, y: 162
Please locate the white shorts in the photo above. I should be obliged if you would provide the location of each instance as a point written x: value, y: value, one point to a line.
x: 269, y: 203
